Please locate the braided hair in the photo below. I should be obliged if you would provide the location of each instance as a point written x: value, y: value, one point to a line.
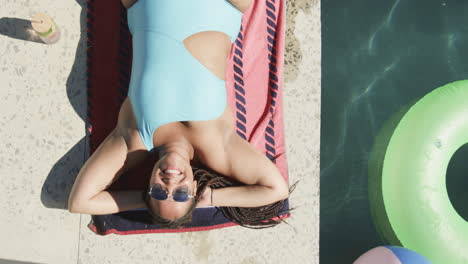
x: 251, y: 217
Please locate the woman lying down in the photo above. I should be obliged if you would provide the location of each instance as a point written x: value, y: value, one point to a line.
x: 177, y: 109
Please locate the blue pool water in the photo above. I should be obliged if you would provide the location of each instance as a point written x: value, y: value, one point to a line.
x: 378, y: 57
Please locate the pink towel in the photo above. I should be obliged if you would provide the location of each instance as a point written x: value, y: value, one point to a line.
x: 254, y: 79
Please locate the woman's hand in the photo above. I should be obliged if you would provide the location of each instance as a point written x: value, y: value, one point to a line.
x: 206, y: 198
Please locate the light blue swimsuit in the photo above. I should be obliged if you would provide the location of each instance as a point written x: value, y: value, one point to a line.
x: 167, y: 83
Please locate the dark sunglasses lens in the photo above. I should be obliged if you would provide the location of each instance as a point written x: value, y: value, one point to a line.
x: 180, y: 196
x: 158, y: 193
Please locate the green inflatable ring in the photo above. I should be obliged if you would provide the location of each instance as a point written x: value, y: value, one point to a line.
x: 414, y: 175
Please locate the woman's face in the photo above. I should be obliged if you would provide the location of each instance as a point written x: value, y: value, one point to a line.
x: 172, y: 172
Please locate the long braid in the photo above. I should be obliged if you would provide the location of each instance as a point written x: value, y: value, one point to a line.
x: 251, y: 217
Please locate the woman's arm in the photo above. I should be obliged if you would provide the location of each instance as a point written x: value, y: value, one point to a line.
x: 246, y: 196
x: 264, y: 182
x: 88, y: 195
x: 110, y: 202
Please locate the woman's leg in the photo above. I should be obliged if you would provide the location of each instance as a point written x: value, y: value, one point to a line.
x: 211, y: 48
x: 128, y: 3
x: 241, y: 5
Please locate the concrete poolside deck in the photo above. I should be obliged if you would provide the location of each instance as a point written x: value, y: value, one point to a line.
x: 43, y: 108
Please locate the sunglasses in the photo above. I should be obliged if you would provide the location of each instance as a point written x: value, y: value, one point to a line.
x: 179, y: 195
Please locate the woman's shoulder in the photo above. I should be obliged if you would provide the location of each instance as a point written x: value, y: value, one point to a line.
x: 249, y: 165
